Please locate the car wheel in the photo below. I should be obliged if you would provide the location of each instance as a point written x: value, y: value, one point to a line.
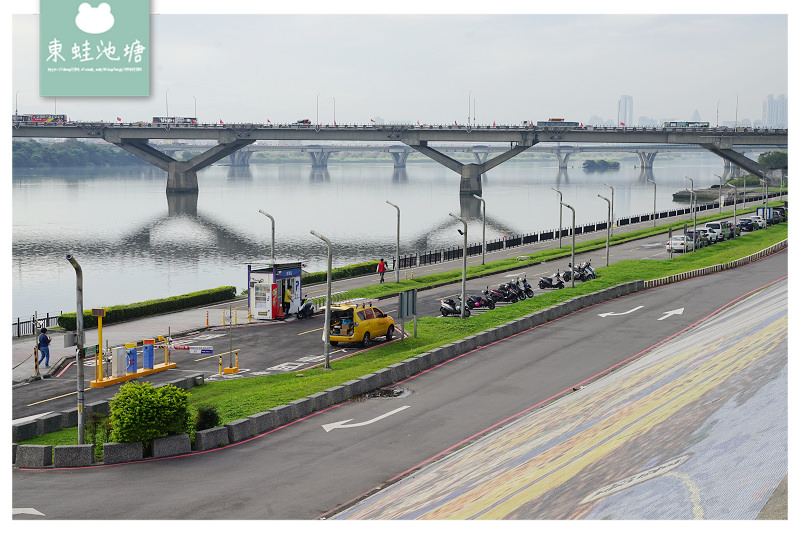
x: 366, y: 340
x: 389, y: 333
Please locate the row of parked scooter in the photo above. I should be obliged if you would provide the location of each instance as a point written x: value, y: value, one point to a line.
x: 582, y: 272
x: 514, y: 291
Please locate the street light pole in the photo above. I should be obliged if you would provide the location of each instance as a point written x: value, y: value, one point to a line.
x: 272, y: 252
x: 397, y: 245
x: 572, y: 274
x: 463, y: 267
x: 560, y: 211
x: 608, y: 226
x: 326, y: 335
x: 694, y: 211
x: 166, y: 100
x: 654, y: 200
x: 612, y: 205
x: 79, y: 350
x: 483, y: 208
x: 734, y: 207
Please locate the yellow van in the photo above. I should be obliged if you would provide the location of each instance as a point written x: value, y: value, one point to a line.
x: 359, y: 323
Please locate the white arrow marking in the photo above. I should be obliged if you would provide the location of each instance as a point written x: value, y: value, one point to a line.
x: 344, y: 423
x: 668, y: 314
x: 620, y: 314
x: 26, y: 510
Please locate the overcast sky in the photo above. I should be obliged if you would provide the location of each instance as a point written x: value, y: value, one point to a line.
x: 435, y: 68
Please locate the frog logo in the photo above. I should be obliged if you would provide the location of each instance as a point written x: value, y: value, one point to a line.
x: 94, y: 20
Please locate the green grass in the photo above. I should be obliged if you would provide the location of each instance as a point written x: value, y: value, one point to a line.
x: 240, y: 398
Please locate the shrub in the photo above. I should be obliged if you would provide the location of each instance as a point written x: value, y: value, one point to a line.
x: 141, y: 413
x: 207, y: 418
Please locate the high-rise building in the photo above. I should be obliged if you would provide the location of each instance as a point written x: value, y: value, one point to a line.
x: 774, y: 112
x: 625, y: 110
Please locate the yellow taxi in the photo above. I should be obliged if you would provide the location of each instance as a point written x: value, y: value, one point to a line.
x: 359, y: 323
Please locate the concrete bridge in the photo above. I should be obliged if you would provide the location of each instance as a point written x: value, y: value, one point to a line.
x: 231, y: 138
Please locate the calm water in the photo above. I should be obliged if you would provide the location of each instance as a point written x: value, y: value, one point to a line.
x: 134, y: 243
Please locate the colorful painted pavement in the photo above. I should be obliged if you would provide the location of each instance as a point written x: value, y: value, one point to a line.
x: 696, y: 429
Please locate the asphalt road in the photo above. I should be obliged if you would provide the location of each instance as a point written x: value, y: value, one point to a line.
x: 276, y: 347
x: 309, y: 468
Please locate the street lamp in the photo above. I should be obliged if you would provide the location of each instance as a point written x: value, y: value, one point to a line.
x: 694, y: 211
x: 195, y: 107
x: 612, y: 204
x: 572, y: 274
x: 166, y: 100
x: 317, y: 109
x: 734, y: 207
x: 272, y: 252
x: 397, y: 247
x: 79, y: 339
x: 654, y: 200
x: 334, y: 110
x: 483, y: 208
x: 560, y: 211
x: 16, y: 103
x: 463, y: 267
x: 608, y: 226
x: 720, y: 194
x: 326, y: 335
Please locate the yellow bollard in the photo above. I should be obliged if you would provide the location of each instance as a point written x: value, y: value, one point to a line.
x: 236, y: 317
x: 206, y: 317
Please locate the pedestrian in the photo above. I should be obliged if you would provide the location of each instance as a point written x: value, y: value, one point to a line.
x: 44, y: 348
x: 382, y: 268
x: 287, y: 301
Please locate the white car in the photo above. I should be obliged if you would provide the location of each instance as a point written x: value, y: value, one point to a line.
x: 760, y: 220
x: 679, y: 243
x: 712, y: 236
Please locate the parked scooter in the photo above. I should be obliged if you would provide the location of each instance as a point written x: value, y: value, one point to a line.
x: 476, y: 302
x: 588, y: 271
x: 527, y: 288
x: 306, y: 308
x: 554, y: 282
x: 450, y: 307
x: 502, y: 294
x: 515, y: 285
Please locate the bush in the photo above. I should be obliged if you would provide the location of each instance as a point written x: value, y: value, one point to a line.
x: 349, y: 271
x: 141, y: 413
x: 207, y: 418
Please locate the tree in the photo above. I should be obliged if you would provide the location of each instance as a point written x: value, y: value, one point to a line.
x: 774, y: 160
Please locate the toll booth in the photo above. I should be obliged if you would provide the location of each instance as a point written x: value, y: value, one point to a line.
x: 267, y: 286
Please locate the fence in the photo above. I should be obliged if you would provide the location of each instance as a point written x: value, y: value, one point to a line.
x: 21, y: 328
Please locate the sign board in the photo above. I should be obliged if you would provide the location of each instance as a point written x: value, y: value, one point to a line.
x: 193, y: 349
x: 407, y: 304
x: 99, y: 312
x: 90, y: 351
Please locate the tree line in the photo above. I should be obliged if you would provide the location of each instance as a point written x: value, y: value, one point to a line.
x: 70, y: 153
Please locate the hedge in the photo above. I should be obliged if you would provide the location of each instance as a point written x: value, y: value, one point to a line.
x: 341, y: 272
x: 120, y: 313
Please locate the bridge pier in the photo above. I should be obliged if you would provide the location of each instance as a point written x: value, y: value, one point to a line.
x: 399, y: 157
x: 646, y: 159
x: 240, y: 158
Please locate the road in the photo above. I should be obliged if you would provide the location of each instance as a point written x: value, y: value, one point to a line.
x: 310, y: 468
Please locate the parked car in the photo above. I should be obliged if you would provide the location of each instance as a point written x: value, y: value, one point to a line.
x: 700, y: 240
x: 705, y: 233
x: 758, y: 219
x: 680, y: 243
x: 782, y: 213
x: 746, y: 224
x: 359, y: 323
x: 723, y: 228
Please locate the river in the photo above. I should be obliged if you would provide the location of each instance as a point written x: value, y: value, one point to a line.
x: 134, y: 243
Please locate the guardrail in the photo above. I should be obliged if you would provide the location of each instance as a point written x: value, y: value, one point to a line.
x: 21, y: 328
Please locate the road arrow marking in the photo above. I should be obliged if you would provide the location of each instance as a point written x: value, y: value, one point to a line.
x: 620, y: 314
x: 344, y: 423
x: 25, y: 510
x: 668, y: 314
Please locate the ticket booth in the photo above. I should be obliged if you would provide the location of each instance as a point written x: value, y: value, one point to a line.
x: 267, y: 287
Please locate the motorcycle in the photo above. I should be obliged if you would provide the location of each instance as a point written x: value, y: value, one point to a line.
x: 575, y: 271
x: 514, y: 286
x: 554, y: 282
x: 506, y: 294
x: 306, y: 308
x: 527, y: 288
x: 589, y: 272
x: 450, y: 307
x: 476, y: 302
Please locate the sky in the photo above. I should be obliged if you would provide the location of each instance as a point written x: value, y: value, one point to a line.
x: 437, y: 63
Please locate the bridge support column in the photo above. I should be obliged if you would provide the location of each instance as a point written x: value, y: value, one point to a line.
x: 240, y: 158
x: 319, y: 159
x: 480, y: 156
x: 400, y: 158
x: 733, y: 157
x: 646, y: 159
x: 563, y: 160
x: 181, y: 175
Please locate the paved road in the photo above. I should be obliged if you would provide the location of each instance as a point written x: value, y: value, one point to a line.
x: 307, y: 469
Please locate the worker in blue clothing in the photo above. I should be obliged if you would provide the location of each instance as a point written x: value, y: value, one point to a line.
x: 44, y: 348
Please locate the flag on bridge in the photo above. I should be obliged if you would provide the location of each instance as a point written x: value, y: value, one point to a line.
x: 220, y: 121
x: 372, y: 120
x: 119, y: 119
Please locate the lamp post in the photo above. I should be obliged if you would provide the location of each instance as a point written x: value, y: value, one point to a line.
x: 79, y: 339
x: 572, y: 274
x: 166, y: 100
x: 16, y: 103
x: 317, y: 109
x: 764, y: 183
x: 326, y: 335
x: 560, y: 211
x: 483, y: 208
x: 720, y: 194
x: 654, y: 200
x: 612, y: 205
x: 195, y: 107
x: 334, y: 110
x: 463, y: 266
x: 734, y: 207
x: 694, y: 211
x: 608, y: 226
x: 272, y: 250
x: 397, y: 245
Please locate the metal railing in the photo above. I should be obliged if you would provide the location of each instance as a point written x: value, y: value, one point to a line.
x: 22, y: 328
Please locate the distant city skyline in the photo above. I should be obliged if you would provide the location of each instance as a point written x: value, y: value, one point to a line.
x: 436, y: 68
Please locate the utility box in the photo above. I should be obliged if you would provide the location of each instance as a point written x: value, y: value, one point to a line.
x: 130, y: 358
x: 147, y: 356
x: 267, y: 286
x: 118, y: 365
